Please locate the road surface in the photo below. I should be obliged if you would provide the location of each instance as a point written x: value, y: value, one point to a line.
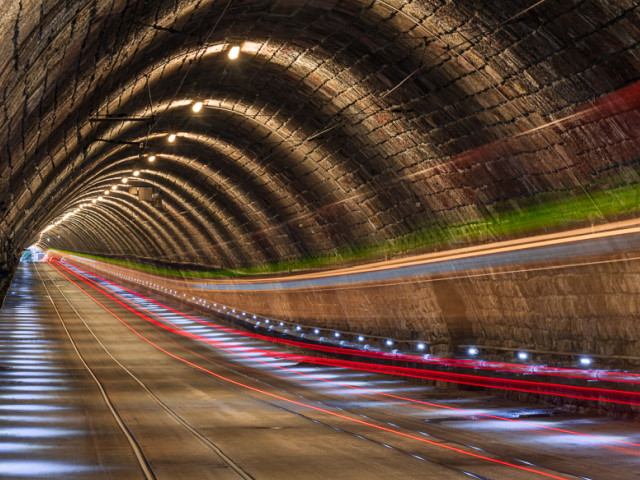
x: 96, y: 382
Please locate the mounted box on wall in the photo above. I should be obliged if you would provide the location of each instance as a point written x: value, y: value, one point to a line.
x: 145, y: 194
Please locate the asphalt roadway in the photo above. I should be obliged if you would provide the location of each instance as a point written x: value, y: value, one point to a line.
x: 96, y: 385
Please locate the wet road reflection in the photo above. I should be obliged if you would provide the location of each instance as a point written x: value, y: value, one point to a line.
x: 51, y: 423
x: 189, y: 389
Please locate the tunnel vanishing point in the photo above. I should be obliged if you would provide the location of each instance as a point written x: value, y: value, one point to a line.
x: 458, y: 175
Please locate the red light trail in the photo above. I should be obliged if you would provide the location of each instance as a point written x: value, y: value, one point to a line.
x: 280, y: 397
x: 569, y: 373
x: 329, y: 362
x: 544, y: 388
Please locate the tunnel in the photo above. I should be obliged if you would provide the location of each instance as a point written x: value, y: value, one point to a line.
x: 320, y: 239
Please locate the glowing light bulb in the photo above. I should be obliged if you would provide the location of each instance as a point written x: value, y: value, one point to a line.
x: 136, y: 173
x: 152, y: 158
x: 197, y: 107
x: 125, y: 180
x: 234, y: 52
x: 172, y: 137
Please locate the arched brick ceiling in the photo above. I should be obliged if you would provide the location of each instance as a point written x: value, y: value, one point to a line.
x: 341, y: 123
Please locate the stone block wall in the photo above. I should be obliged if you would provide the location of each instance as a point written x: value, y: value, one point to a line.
x: 555, y: 311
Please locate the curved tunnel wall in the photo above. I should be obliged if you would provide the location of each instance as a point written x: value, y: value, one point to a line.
x: 340, y: 125
x: 556, y: 311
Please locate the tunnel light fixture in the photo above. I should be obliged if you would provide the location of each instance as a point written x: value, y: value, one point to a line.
x: 106, y: 192
x: 336, y: 334
x: 234, y: 52
x: 94, y: 201
x: 523, y: 355
x: 152, y: 158
x: 421, y: 346
x: 316, y: 331
x: 473, y: 351
x: 136, y: 173
x: 114, y: 187
x: 100, y: 199
x: 389, y: 343
x: 281, y: 324
x: 298, y: 328
x: 585, y: 361
x: 197, y: 107
x: 360, y: 338
x: 172, y: 138
x: 124, y: 180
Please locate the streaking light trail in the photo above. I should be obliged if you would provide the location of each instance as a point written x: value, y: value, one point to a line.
x: 545, y: 388
x: 232, y: 348
x: 280, y: 397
